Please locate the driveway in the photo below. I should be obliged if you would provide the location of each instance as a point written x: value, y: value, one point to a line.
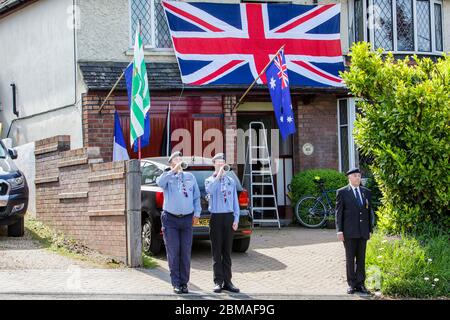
x: 291, y: 263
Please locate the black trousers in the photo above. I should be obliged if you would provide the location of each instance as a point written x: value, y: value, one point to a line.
x: 355, y: 254
x: 221, y: 235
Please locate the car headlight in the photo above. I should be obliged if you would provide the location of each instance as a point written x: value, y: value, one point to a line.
x: 16, y: 182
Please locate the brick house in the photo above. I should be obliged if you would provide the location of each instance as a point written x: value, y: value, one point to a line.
x: 64, y: 63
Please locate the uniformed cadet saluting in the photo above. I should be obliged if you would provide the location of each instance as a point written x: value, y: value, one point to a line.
x: 181, y: 210
x: 224, y: 208
x: 354, y: 223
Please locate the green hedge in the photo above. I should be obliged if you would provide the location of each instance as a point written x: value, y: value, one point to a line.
x: 303, y: 183
x: 409, y: 267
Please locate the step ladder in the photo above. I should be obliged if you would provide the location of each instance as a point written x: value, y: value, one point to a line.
x: 258, y: 178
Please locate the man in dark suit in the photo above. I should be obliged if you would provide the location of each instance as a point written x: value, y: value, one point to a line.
x: 354, y: 227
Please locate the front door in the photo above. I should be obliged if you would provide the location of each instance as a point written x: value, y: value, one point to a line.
x: 281, y: 164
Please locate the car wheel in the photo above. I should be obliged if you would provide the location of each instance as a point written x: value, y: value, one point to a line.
x: 150, y: 242
x: 241, y: 245
x: 17, y: 229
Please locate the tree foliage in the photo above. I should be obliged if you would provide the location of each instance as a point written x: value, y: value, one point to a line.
x: 404, y: 126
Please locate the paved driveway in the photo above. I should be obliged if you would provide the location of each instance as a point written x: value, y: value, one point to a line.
x: 291, y: 263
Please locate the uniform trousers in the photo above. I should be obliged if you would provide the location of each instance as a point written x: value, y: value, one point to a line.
x: 221, y: 235
x: 177, y: 234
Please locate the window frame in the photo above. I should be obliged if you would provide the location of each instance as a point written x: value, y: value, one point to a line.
x: 152, y: 46
x: 369, y: 34
x: 433, y: 26
x: 351, y: 118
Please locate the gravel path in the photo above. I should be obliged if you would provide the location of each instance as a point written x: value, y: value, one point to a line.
x: 25, y: 253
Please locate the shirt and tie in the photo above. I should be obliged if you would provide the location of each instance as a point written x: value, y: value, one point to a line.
x: 222, y: 196
x: 181, y: 193
x: 357, y: 193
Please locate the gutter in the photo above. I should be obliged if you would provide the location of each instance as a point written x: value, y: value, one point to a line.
x: 11, y: 7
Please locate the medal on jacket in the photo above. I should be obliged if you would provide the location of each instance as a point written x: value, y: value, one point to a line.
x: 223, y: 188
x: 181, y: 185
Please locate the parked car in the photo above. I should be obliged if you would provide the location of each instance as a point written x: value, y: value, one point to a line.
x: 152, y: 201
x: 13, y: 193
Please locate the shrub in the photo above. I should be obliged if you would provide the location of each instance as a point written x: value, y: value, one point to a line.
x: 404, y: 127
x: 303, y: 183
x: 409, y: 267
x: 372, y: 185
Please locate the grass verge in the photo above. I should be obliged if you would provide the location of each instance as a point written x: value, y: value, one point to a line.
x: 59, y: 243
x: 407, y: 266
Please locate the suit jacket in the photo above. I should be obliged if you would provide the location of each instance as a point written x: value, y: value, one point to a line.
x: 353, y: 220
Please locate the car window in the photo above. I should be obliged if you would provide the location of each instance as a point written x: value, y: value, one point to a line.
x: 149, y: 174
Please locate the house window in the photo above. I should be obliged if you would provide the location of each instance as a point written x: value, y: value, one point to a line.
x: 359, y: 20
x: 383, y: 37
x: 405, y: 25
x: 348, y: 155
x: 398, y: 25
x: 438, y: 26
x: 155, y: 31
x: 423, y: 26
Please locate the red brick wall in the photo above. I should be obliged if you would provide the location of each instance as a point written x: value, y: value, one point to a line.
x: 98, y: 128
x: 230, y: 127
x: 317, y: 124
x: 79, y: 195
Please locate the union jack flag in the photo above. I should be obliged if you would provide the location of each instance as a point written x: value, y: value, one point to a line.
x: 218, y: 43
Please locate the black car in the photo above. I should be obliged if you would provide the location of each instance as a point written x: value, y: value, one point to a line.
x: 13, y: 193
x: 152, y: 201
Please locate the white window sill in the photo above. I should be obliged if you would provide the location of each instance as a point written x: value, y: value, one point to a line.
x: 161, y: 52
x: 410, y: 53
x: 435, y: 53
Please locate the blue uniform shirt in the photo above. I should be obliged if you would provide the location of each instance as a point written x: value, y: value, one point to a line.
x: 181, y: 193
x: 222, y: 196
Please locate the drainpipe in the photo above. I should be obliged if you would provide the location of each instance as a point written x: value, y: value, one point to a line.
x: 13, y: 87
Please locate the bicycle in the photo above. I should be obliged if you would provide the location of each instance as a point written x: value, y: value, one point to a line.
x: 313, y: 211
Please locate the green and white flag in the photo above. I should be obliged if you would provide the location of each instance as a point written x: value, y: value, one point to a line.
x: 140, y: 102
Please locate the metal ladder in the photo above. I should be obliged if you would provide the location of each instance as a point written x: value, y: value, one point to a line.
x: 260, y: 179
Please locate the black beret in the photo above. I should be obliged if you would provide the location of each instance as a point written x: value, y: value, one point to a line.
x: 353, y: 170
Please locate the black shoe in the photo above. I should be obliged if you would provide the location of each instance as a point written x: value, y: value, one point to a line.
x: 362, y: 289
x: 217, y: 288
x: 184, y: 288
x: 350, y: 290
x: 230, y: 287
x: 177, y: 290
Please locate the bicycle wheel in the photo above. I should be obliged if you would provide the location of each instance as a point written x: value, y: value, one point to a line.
x: 310, y: 212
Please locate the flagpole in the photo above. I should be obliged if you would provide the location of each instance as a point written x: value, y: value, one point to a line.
x: 139, y: 148
x: 259, y: 76
x: 168, y: 132
x: 113, y: 88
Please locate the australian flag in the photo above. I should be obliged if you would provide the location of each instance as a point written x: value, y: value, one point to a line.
x: 278, y: 82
